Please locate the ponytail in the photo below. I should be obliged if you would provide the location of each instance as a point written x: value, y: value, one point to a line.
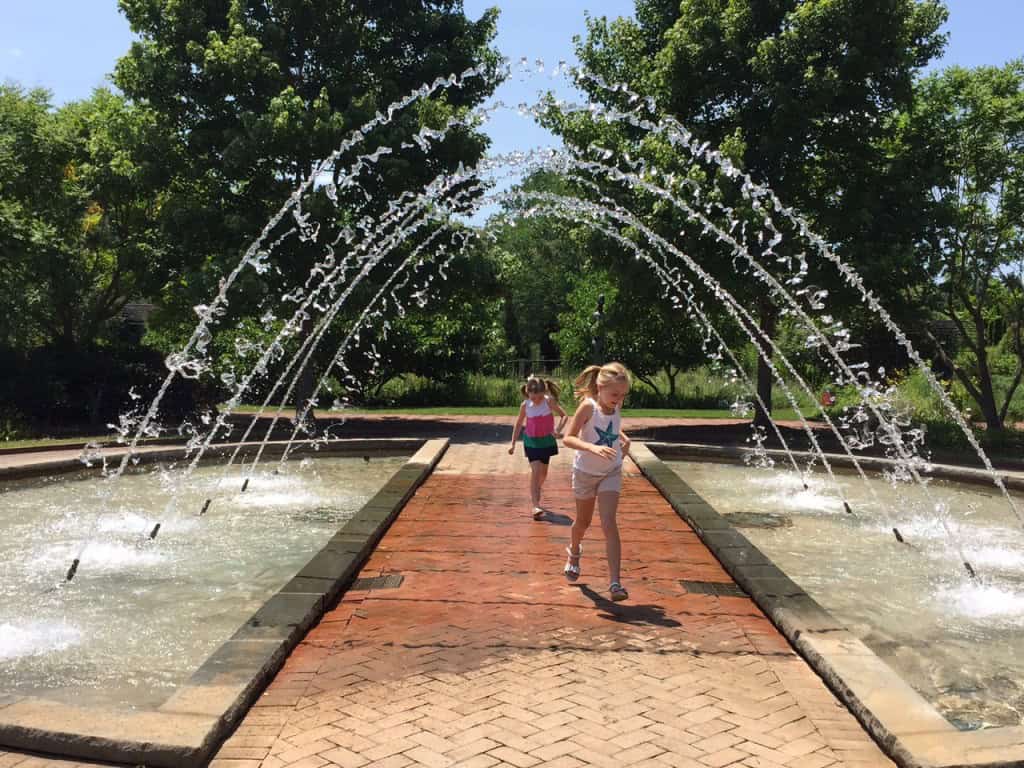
x: 586, y: 382
x: 537, y: 384
x: 594, y: 376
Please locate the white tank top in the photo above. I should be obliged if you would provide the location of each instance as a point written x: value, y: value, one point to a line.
x: 600, y: 429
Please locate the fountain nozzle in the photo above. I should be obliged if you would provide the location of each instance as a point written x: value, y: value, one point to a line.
x: 155, y: 531
x: 206, y: 506
x: 245, y: 485
x: 846, y: 506
x: 899, y: 536
x: 970, y: 570
x: 72, y: 570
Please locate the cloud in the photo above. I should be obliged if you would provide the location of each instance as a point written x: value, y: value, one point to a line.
x: 15, y: 53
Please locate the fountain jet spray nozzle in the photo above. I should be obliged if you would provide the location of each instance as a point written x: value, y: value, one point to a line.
x: 245, y: 485
x: 206, y: 506
x: 846, y: 506
x: 155, y: 531
x: 72, y: 570
x: 899, y: 536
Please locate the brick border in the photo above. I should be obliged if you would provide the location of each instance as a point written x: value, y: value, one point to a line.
x: 187, y: 729
x: 906, y: 727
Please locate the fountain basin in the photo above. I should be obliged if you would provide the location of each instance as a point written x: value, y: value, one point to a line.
x: 182, y: 715
x: 911, y: 728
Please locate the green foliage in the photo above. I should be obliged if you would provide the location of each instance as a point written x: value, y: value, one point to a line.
x: 257, y: 93
x: 537, y: 261
x: 966, y: 131
x: 477, y: 389
x: 443, y: 332
x: 76, y: 215
x: 797, y: 93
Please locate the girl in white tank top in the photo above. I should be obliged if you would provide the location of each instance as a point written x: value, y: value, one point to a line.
x: 595, y: 432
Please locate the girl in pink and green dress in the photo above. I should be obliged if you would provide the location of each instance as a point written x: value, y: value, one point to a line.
x: 537, y: 414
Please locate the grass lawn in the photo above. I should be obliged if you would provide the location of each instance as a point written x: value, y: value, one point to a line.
x: 56, y: 442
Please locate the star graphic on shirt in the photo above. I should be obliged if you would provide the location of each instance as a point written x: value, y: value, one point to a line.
x: 606, y: 436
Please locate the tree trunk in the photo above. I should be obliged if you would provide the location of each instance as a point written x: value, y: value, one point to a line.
x: 987, y: 401
x: 767, y: 319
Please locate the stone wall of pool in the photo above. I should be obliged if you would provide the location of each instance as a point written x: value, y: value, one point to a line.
x: 187, y: 729
x: 904, y: 724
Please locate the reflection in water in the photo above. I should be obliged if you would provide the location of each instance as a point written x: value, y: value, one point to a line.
x: 143, y: 614
x: 955, y: 640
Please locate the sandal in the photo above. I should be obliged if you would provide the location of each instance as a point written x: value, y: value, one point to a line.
x: 538, y: 513
x: 572, y: 572
x: 617, y: 591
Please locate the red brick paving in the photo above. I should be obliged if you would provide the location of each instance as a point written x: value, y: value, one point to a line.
x: 485, y: 656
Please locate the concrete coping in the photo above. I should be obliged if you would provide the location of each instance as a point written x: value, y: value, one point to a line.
x: 1013, y: 480
x: 186, y: 729
x: 39, y: 466
x: 906, y: 726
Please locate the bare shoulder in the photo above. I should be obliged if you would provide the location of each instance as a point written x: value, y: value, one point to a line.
x: 585, y: 408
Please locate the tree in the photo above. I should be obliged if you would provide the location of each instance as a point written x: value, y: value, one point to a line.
x: 436, y: 328
x: 966, y: 129
x: 796, y: 92
x: 32, y: 159
x: 258, y: 91
x: 537, y: 261
x: 78, y: 208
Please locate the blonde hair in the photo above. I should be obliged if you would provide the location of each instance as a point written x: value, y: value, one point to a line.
x: 537, y: 384
x: 595, y: 376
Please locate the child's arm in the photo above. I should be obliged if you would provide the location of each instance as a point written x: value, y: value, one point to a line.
x: 517, y: 428
x: 562, y: 417
x: 572, y: 439
x: 626, y: 442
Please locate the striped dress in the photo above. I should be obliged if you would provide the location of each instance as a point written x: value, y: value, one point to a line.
x: 539, y: 435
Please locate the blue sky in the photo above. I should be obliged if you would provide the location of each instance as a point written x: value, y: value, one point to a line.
x: 69, y: 46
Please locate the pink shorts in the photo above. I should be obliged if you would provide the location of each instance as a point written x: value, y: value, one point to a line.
x: 587, y: 486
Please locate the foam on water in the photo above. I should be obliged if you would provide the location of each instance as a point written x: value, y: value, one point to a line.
x: 36, y: 638
x: 147, y: 612
x: 993, y: 603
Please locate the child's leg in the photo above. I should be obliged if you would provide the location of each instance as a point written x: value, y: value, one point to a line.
x: 608, y: 505
x: 537, y: 470
x: 541, y: 473
x: 584, y: 514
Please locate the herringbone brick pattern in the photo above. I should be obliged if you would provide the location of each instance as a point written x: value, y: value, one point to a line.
x: 485, y: 656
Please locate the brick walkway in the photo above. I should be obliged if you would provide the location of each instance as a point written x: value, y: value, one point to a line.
x: 485, y: 656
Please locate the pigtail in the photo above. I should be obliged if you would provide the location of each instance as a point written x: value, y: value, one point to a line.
x: 553, y: 389
x: 522, y: 389
x: 586, y: 383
